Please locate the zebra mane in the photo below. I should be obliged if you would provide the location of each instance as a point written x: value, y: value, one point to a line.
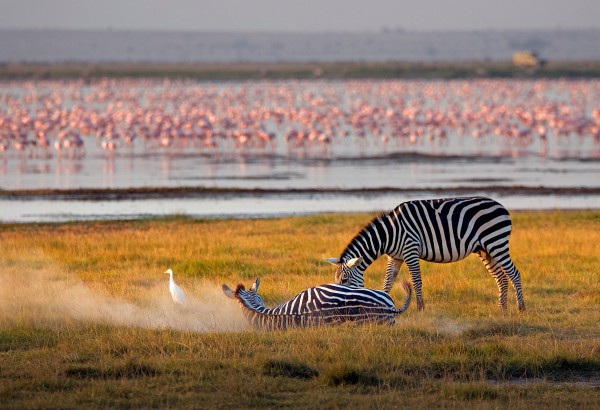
x: 249, y: 299
x: 376, y: 218
x: 239, y: 289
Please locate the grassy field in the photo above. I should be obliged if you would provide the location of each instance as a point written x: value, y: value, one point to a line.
x: 86, y: 320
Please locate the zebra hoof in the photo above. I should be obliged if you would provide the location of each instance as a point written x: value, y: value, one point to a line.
x: 420, y: 305
x: 522, y: 308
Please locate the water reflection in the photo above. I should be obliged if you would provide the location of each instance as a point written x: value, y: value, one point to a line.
x: 294, y: 134
x: 108, y: 172
x: 166, y: 167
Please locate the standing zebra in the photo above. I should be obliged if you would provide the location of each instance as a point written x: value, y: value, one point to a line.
x: 320, y: 305
x: 437, y: 230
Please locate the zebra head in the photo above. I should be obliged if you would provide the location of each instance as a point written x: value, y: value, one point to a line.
x: 248, y: 298
x: 348, y: 272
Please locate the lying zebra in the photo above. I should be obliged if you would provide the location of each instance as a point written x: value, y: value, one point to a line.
x: 319, y: 305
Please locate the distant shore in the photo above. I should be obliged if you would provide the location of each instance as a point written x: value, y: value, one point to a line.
x: 296, y: 70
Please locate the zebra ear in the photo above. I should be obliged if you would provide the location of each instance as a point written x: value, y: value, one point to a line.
x: 255, y: 286
x: 333, y: 261
x: 228, y: 292
x: 353, y: 262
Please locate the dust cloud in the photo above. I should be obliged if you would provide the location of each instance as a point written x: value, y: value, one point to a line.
x: 37, y: 291
x: 44, y: 295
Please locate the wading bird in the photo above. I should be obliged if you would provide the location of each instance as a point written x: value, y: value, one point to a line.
x: 176, y: 292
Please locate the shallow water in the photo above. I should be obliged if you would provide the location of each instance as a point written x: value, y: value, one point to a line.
x: 402, y: 170
x: 349, y: 161
x: 264, y: 206
x: 276, y: 174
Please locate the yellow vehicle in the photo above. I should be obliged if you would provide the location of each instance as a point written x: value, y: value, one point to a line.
x: 526, y: 58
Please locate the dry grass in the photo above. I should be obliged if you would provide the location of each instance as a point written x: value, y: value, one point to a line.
x: 86, y: 320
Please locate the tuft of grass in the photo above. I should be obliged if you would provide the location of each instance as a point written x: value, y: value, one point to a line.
x: 345, y: 376
x: 283, y: 368
x: 25, y: 338
x: 470, y: 392
x: 130, y: 370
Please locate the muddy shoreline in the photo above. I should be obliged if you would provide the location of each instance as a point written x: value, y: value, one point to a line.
x: 143, y: 193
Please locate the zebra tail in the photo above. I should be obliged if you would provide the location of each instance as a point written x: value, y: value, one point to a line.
x: 408, y: 290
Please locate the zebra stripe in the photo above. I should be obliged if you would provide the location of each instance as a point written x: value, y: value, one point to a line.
x: 320, y: 305
x: 436, y: 230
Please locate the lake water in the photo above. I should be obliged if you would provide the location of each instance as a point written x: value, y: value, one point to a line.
x: 372, y: 135
x: 485, y: 176
x: 271, y: 206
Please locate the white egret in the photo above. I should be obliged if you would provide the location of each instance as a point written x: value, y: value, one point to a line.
x: 176, y: 292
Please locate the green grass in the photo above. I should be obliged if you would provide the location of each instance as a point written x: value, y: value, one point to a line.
x: 86, y: 320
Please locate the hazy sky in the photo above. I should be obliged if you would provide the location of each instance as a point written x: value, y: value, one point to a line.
x: 299, y: 15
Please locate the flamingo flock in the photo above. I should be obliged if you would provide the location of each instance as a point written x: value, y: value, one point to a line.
x: 64, y: 119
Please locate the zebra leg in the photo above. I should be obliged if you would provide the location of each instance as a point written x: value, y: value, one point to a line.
x: 415, y: 273
x: 502, y: 256
x: 497, y: 272
x: 515, y: 277
x: 391, y: 272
